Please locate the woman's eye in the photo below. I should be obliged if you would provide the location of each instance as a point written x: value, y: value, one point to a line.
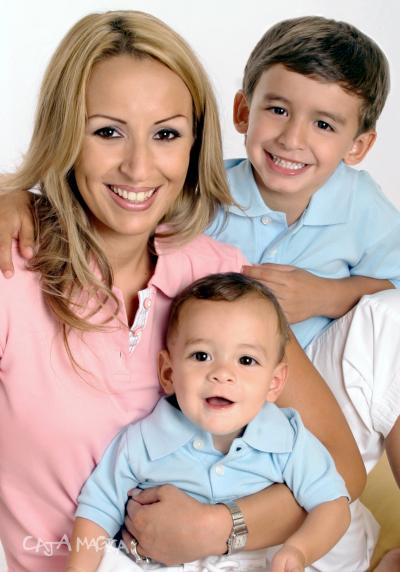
x: 166, y: 134
x: 200, y: 356
x: 107, y: 132
x: 247, y: 360
x: 324, y: 125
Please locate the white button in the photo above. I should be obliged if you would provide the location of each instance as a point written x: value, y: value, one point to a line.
x: 265, y: 219
x: 198, y: 444
x: 219, y: 469
x: 272, y: 252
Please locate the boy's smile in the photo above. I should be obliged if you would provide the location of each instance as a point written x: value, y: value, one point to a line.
x: 298, y: 129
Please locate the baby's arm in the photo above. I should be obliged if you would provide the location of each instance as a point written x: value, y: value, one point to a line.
x: 87, y: 544
x: 303, y: 295
x: 321, y: 530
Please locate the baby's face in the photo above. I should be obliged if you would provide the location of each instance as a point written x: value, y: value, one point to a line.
x: 224, y: 363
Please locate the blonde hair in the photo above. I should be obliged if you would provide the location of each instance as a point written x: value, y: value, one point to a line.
x: 68, y: 246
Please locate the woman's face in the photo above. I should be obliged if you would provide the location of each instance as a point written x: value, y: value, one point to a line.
x: 136, y: 149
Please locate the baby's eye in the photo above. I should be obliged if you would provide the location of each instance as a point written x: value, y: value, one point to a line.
x: 107, y: 132
x: 247, y: 360
x: 278, y: 110
x: 166, y: 134
x: 324, y: 125
x: 200, y: 356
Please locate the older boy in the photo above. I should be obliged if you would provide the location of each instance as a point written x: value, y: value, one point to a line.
x: 320, y: 233
x: 221, y: 435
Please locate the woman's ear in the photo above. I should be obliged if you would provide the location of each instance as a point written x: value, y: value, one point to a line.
x: 165, y: 372
x: 241, y: 112
x: 278, y: 381
x: 361, y: 145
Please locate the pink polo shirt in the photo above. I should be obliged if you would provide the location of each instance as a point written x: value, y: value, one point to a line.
x: 55, y: 422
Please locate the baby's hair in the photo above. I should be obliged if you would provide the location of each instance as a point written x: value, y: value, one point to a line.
x: 327, y: 50
x: 228, y: 287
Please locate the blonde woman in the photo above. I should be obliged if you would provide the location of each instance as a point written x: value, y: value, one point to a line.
x: 126, y: 151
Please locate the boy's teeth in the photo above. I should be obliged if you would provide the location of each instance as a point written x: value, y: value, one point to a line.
x: 287, y: 164
x: 132, y: 196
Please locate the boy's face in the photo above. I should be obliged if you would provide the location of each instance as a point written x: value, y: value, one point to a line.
x: 222, y: 364
x: 298, y: 129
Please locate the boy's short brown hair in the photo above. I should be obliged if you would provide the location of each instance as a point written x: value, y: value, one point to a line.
x: 329, y: 50
x: 228, y: 287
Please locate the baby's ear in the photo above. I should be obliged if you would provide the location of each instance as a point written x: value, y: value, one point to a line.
x: 241, y: 111
x: 279, y: 377
x: 165, y: 372
x: 361, y: 145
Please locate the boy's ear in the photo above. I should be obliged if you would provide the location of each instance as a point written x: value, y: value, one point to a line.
x: 165, y: 372
x: 279, y: 377
x: 241, y: 112
x: 361, y: 145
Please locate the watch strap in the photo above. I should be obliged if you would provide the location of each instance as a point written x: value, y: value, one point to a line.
x: 238, y: 536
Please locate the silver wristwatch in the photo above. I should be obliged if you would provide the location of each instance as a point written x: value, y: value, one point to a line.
x: 238, y: 536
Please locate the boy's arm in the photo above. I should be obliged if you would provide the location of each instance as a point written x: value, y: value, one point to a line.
x: 87, y: 546
x: 303, y: 295
x: 320, y: 531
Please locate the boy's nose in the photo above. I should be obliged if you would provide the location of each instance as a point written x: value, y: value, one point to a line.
x: 221, y: 374
x: 293, y: 135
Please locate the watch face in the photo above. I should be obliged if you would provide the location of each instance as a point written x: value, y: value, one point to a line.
x: 239, y: 541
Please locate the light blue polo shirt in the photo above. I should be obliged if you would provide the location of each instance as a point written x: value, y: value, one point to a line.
x: 349, y: 228
x: 166, y: 447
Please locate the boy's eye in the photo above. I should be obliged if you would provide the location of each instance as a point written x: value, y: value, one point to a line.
x: 107, y: 132
x: 278, y: 110
x: 324, y: 125
x: 247, y: 360
x: 166, y: 134
x: 200, y: 356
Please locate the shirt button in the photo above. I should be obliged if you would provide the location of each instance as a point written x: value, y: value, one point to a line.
x: 137, y: 331
x: 219, y: 469
x: 265, y: 219
x: 147, y: 303
x: 272, y: 252
x: 198, y: 444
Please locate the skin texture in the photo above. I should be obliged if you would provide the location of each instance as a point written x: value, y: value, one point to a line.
x: 134, y: 159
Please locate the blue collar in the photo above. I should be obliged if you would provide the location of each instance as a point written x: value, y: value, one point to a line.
x: 329, y: 205
x: 167, y: 429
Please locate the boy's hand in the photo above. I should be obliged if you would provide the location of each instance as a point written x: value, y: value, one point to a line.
x: 15, y: 222
x: 288, y: 559
x: 300, y: 293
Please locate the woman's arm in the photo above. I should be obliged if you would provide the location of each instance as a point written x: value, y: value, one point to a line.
x: 172, y: 527
x: 307, y: 392
x: 16, y: 222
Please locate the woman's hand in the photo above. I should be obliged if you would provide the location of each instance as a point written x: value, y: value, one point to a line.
x: 172, y: 527
x: 16, y: 221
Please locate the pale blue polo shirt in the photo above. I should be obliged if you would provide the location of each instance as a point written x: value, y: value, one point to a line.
x: 349, y: 228
x: 166, y: 447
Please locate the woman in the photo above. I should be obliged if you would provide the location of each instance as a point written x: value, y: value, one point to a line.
x: 126, y: 138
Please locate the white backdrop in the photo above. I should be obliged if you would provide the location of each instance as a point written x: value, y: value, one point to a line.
x: 222, y: 32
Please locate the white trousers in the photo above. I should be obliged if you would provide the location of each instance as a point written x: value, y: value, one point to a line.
x: 116, y: 561
x: 358, y: 356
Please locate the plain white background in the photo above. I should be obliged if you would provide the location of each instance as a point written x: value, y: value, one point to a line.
x: 222, y: 32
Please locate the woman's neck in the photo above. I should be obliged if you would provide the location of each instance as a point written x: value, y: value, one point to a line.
x: 132, y: 265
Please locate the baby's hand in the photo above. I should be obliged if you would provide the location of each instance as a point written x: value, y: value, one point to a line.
x: 288, y: 559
